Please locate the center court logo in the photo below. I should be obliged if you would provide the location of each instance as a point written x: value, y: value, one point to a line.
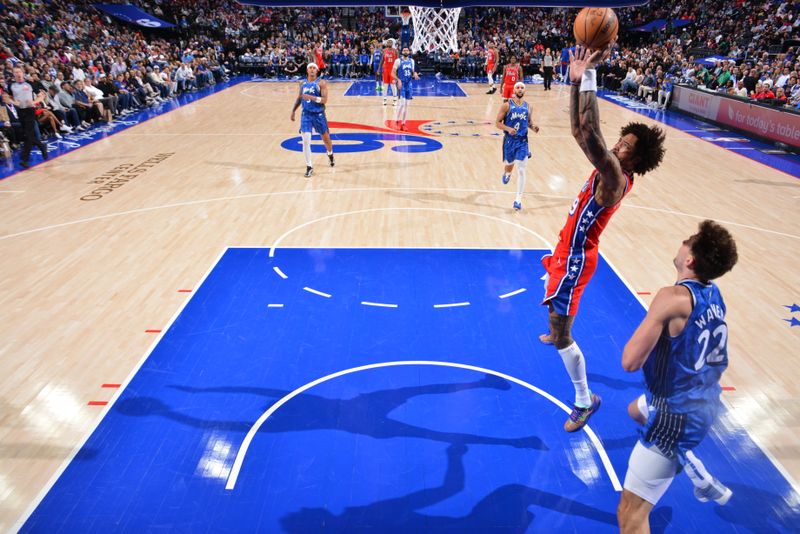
x: 375, y: 138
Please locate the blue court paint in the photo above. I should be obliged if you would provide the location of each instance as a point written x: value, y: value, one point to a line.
x: 395, y: 449
x: 366, y: 142
x: 732, y: 140
x: 424, y: 87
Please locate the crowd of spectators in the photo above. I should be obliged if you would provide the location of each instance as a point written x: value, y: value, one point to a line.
x: 92, y: 69
x: 85, y: 69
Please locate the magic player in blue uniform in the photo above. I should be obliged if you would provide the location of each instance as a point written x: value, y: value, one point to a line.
x: 514, y: 119
x: 377, y: 57
x: 403, y: 72
x: 682, y: 347
x: 313, y: 96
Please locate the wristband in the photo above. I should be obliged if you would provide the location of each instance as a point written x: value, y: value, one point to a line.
x: 589, y: 80
x: 318, y: 100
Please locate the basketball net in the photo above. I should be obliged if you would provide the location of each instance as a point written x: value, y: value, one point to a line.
x: 435, y: 29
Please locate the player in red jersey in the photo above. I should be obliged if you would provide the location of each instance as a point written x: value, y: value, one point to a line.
x: 491, y: 68
x: 569, y: 268
x: 318, y: 59
x: 387, y: 64
x: 511, y: 75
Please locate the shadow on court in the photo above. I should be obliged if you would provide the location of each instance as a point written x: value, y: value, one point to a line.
x: 366, y: 414
x: 505, y: 509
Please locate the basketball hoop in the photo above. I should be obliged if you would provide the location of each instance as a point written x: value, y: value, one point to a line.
x: 406, y: 16
x: 434, y: 28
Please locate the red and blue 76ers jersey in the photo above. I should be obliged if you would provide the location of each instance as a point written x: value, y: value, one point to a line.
x: 587, y: 218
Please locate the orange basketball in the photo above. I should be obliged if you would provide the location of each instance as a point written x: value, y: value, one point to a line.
x: 595, y: 27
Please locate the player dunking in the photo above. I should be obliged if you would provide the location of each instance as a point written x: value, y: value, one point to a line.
x: 491, y: 68
x: 569, y: 268
x: 313, y: 96
x: 387, y: 65
x: 512, y: 73
x: 682, y: 347
x: 514, y: 118
x: 403, y: 72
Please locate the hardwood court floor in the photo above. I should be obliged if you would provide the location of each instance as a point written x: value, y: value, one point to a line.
x: 81, y: 281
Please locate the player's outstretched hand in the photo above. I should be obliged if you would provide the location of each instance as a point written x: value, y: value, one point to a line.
x: 583, y: 58
x: 292, y: 116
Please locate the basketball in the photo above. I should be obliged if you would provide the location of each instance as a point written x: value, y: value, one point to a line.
x: 595, y: 27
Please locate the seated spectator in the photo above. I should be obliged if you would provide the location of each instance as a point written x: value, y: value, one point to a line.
x: 665, y: 92
x: 740, y: 90
x: 66, y: 97
x: 762, y: 92
x: 68, y: 116
x: 646, y: 88
x: 109, y: 102
x: 6, y: 126
x: 88, y: 108
x: 629, y: 84
x: 185, y: 78
x: 780, y: 98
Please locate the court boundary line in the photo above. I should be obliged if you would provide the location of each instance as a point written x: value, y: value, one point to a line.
x: 730, y: 411
x: 360, y: 189
x: 26, y: 515
x: 288, y: 232
x: 242, y: 451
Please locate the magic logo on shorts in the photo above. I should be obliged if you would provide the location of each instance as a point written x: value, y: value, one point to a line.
x: 374, y: 138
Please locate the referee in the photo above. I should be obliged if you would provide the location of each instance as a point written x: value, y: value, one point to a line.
x: 22, y: 95
x: 547, y: 63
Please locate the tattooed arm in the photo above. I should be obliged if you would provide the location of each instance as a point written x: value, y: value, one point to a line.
x: 585, y: 123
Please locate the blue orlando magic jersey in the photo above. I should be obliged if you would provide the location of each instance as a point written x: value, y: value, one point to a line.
x: 405, y: 70
x: 517, y: 117
x: 377, y: 55
x: 312, y: 88
x: 682, y: 373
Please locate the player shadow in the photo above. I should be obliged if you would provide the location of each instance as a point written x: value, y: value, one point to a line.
x: 505, y: 509
x: 366, y: 414
x: 615, y: 383
x: 759, y: 510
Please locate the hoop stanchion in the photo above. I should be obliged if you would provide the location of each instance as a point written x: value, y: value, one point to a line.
x: 435, y: 29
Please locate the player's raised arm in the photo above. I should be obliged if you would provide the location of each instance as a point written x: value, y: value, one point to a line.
x: 585, y: 117
x: 669, y: 303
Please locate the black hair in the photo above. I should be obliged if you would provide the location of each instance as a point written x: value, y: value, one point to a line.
x: 649, y: 147
x: 713, y: 250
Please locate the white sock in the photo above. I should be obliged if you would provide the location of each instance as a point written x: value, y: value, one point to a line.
x: 385, y: 90
x: 491, y: 79
x: 521, y: 179
x: 576, y: 368
x: 697, y: 472
x: 307, y: 147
